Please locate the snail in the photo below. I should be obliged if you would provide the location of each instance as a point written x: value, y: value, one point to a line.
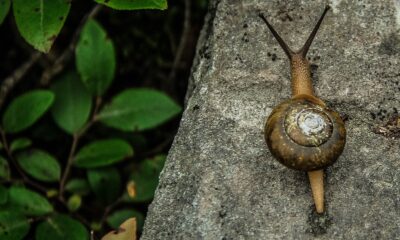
x: 302, y: 133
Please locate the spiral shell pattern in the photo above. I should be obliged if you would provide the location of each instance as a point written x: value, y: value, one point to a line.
x: 305, y: 135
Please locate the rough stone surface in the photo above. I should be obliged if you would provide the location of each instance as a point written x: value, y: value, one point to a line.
x: 221, y: 182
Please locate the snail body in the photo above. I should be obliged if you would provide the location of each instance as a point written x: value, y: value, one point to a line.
x: 302, y: 133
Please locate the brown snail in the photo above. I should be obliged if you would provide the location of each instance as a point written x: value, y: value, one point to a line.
x: 303, y: 133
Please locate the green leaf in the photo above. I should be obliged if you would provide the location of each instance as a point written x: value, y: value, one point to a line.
x: 20, y: 143
x: 40, y: 21
x: 4, y: 169
x: 61, y: 227
x: 102, y: 153
x: 105, y: 183
x: 146, y: 178
x: 78, y: 186
x: 135, y: 5
x: 138, y: 109
x: 72, y: 104
x: 28, y: 202
x: 40, y: 165
x: 95, y: 58
x: 95, y: 226
x: 120, y: 216
x: 4, y: 7
x: 14, y: 226
x: 26, y: 109
x: 51, y: 193
x: 3, y: 194
x: 74, y: 202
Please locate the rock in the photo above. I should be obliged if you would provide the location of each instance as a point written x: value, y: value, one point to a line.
x: 221, y: 182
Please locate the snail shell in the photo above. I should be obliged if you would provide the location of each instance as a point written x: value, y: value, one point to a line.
x: 303, y: 134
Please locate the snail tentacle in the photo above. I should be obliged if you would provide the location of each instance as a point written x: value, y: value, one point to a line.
x: 311, y: 37
x: 281, y: 42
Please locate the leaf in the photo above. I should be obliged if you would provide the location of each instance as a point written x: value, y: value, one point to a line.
x: 26, y: 109
x: 20, y: 143
x: 14, y: 226
x: 102, y: 153
x: 40, y: 165
x: 4, y: 169
x: 40, y: 21
x: 127, y: 231
x: 61, y: 227
x: 118, y: 217
x: 138, y: 109
x: 3, y: 195
x: 95, y: 226
x: 131, y: 189
x: 72, y: 104
x: 135, y: 5
x: 74, y: 202
x: 146, y: 178
x: 4, y: 7
x: 105, y: 183
x: 28, y: 202
x: 95, y: 58
x: 51, y: 193
x: 78, y: 186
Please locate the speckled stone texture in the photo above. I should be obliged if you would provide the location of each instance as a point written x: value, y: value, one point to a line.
x: 221, y: 182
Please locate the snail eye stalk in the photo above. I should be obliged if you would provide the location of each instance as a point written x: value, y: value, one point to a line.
x: 310, y: 39
x: 281, y: 42
x: 303, y: 51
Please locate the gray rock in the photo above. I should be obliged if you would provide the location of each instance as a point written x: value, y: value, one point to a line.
x: 221, y: 182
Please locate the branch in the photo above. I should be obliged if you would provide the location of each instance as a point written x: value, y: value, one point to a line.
x: 74, y: 145
x: 159, y: 148
x: 65, y: 56
x: 68, y: 166
x: 182, y: 41
x: 108, y: 210
x: 8, y: 84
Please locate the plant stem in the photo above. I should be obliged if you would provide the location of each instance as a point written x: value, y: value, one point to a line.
x: 108, y: 209
x: 8, y: 84
x: 181, y: 46
x: 75, y: 141
x: 159, y: 148
x: 60, y: 63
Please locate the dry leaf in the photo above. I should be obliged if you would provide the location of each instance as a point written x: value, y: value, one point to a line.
x: 390, y: 129
x: 131, y: 189
x: 127, y: 231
